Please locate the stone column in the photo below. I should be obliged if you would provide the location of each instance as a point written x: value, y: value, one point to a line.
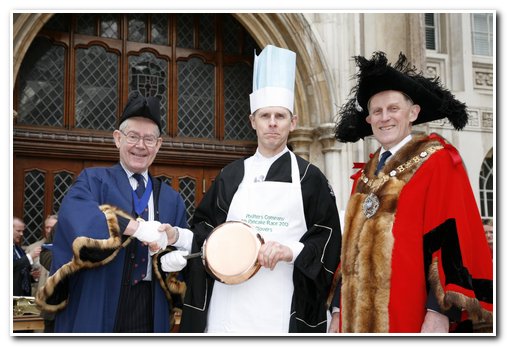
x: 300, y: 140
x: 333, y: 162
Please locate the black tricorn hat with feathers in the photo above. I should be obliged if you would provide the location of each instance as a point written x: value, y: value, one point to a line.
x: 377, y: 75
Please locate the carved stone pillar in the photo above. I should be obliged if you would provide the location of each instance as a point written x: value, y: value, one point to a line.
x: 334, y: 162
x: 300, y: 140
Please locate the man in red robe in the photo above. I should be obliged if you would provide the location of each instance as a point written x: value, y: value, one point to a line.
x: 414, y: 255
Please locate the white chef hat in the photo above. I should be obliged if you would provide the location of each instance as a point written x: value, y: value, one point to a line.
x: 273, y: 79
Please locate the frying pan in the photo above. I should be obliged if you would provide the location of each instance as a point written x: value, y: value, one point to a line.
x: 230, y: 251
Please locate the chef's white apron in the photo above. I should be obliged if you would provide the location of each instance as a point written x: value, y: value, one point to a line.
x: 262, y: 304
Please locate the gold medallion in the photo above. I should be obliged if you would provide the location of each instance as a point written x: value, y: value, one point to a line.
x: 370, y: 205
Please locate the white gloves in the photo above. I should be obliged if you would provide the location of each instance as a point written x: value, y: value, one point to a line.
x: 154, y: 232
x: 173, y: 261
x: 148, y: 231
x: 161, y: 243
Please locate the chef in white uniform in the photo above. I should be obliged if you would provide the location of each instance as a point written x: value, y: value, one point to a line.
x: 277, y: 193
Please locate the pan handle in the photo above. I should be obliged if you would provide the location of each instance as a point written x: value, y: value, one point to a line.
x: 193, y: 255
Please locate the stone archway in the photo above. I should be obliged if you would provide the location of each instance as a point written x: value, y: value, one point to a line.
x: 25, y: 28
x: 313, y: 97
x: 313, y: 100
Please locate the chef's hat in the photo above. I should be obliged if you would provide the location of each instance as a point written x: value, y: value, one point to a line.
x: 273, y: 79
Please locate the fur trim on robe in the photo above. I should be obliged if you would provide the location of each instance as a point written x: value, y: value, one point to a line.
x: 448, y: 299
x: 91, y: 253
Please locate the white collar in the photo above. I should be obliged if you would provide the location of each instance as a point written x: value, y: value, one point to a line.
x: 258, y: 156
x: 130, y: 173
x: 397, y: 147
x: 257, y: 166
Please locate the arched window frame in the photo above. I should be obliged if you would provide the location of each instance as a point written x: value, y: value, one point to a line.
x: 486, y: 187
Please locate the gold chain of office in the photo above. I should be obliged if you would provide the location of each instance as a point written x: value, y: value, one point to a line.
x: 375, y: 184
x: 371, y: 203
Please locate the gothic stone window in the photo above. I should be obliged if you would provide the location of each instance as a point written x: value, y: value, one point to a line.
x: 81, y: 68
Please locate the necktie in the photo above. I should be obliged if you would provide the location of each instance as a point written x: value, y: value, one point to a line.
x: 382, y: 161
x: 17, y: 253
x: 141, y: 250
x: 140, y: 191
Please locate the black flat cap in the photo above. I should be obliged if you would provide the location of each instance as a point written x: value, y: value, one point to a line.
x: 140, y: 106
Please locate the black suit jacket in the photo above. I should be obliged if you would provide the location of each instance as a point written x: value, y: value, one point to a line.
x: 21, y: 273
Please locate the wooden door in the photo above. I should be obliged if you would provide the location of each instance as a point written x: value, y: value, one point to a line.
x: 190, y: 182
x: 39, y: 186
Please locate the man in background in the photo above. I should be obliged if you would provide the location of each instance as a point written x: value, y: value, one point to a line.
x: 22, y: 262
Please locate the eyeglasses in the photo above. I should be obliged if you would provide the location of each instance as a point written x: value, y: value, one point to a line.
x: 133, y: 138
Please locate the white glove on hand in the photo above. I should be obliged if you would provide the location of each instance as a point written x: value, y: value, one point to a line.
x: 161, y: 243
x: 174, y: 261
x: 148, y: 231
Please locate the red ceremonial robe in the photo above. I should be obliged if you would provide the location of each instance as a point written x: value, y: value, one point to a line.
x: 427, y: 234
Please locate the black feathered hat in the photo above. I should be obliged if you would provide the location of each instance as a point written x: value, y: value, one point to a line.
x: 140, y: 106
x: 375, y: 76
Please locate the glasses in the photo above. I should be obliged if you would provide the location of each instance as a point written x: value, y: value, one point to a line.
x: 133, y: 138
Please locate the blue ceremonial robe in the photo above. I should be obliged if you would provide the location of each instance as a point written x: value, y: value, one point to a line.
x: 94, y: 293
